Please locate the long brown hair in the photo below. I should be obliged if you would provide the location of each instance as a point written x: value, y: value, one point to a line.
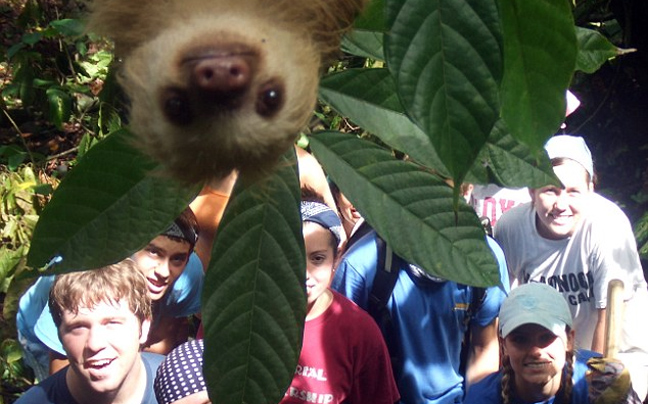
x: 566, y: 381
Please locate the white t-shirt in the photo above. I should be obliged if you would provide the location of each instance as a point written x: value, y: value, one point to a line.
x: 602, y: 248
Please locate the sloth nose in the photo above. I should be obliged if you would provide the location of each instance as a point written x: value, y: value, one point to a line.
x: 221, y: 76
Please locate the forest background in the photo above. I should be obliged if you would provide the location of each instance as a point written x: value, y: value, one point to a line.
x: 53, y: 112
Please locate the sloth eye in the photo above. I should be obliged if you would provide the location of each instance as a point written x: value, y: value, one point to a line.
x: 176, y: 107
x: 270, y: 99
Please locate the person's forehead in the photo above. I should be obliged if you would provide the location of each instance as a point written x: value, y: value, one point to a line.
x: 170, y: 245
x: 312, y: 228
x: 571, y: 173
x: 100, y: 311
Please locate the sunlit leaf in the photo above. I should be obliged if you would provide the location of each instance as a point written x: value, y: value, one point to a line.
x: 594, y: 50
x: 60, y: 106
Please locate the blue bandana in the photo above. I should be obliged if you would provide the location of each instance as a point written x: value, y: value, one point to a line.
x: 324, y: 216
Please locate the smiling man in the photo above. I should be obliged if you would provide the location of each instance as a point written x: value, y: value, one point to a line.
x: 174, y: 278
x: 103, y: 318
x: 576, y: 241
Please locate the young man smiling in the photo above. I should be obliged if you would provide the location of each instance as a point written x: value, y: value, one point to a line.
x: 577, y: 241
x: 103, y: 318
x: 174, y: 278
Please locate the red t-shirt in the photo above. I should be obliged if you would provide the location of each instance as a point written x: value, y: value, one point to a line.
x: 343, y: 360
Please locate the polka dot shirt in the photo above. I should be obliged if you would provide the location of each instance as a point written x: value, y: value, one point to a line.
x: 180, y: 374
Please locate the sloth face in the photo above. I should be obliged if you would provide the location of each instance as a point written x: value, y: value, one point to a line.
x: 221, y: 93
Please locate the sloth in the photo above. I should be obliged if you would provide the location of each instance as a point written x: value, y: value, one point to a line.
x: 217, y: 85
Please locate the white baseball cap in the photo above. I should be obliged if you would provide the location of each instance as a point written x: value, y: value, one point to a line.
x: 570, y: 147
x: 535, y: 303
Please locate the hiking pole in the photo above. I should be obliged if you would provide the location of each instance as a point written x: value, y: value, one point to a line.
x: 613, y: 318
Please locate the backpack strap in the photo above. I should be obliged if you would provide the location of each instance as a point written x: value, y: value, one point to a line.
x: 386, y: 275
x: 387, y: 270
x: 476, y: 302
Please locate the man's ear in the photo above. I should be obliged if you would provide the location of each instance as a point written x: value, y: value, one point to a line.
x: 146, y: 327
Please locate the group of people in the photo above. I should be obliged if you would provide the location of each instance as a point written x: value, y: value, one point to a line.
x: 120, y: 331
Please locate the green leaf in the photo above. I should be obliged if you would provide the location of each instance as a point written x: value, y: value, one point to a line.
x: 641, y: 234
x: 14, y: 49
x: 9, y: 260
x: 68, y: 27
x: 539, y: 60
x: 410, y: 208
x: 60, y: 106
x: 31, y: 38
x: 372, y: 17
x: 594, y: 50
x: 109, y: 206
x: 43, y: 189
x: 15, y: 160
x: 369, y: 98
x: 446, y: 60
x: 254, y: 302
x: 509, y: 163
x: 367, y: 44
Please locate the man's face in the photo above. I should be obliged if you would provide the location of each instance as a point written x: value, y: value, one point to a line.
x: 537, y: 357
x: 162, y: 262
x: 560, y: 210
x: 102, y: 344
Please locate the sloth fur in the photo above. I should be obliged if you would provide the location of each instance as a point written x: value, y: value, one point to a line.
x: 216, y: 85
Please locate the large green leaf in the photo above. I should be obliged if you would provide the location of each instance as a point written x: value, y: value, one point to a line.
x: 110, y: 205
x: 594, y: 50
x: 509, y: 163
x: 410, y: 208
x: 253, y: 301
x: 539, y: 59
x: 368, y: 97
x: 445, y: 56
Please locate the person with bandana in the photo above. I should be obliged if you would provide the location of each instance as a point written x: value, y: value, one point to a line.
x: 344, y: 358
x: 174, y: 277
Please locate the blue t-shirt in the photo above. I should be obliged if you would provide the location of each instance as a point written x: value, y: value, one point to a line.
x: 54, y: 389
x: 489, y: 389
x: 35, y: 323
x: 429, y: 319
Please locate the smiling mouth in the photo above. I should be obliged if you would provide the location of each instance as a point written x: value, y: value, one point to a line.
x: 156, y: 283
x: 561, y: 218
x: 98, y: 364
x: 536, y: 365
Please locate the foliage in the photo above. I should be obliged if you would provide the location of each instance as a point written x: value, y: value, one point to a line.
x: 469, y: 93
x: 22, y: 196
